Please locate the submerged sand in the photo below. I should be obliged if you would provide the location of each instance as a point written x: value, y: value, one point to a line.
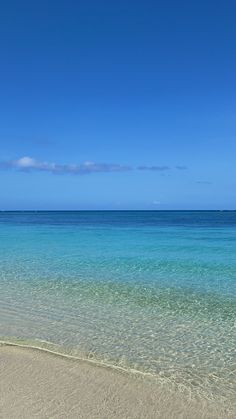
x: 38, y: 384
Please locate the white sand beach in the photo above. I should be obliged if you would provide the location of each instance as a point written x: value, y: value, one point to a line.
x: 38, y: 384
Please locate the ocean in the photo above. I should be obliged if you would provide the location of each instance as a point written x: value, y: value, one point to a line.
x: 153, y: 292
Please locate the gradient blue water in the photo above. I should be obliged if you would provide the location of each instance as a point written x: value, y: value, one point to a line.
x: 154, y: 291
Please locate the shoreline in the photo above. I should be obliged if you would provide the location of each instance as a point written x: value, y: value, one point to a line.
x: 93, y: 361
x: 36, y: 382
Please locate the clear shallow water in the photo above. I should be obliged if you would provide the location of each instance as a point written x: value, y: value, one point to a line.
x: 154, y: 291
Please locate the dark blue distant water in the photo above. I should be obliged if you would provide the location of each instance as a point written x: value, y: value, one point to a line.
x: 149, y: 290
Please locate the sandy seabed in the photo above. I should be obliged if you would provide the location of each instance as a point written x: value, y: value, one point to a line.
x: 38, y: 384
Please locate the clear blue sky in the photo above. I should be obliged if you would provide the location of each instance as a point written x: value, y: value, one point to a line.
x: 118, y: 104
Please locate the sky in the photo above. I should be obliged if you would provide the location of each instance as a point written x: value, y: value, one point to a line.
x: 127, y: 104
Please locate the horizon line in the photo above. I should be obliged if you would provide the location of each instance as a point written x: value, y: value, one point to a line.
x: 117, y: 210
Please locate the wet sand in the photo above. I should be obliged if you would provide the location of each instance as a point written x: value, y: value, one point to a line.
x: 38, y: 384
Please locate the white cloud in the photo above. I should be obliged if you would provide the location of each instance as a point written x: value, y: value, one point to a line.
x: 154, y: 168
x: 203, y: 182
x: 181, y: 167
x: 27, y: 164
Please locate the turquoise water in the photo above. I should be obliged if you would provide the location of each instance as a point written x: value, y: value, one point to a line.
x: 150, y: 291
